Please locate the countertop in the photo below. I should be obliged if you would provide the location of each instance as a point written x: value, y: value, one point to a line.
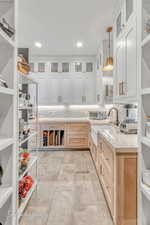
x: 119, y: 141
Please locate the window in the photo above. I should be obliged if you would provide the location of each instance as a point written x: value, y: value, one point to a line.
x: 78, y: 67
x: 65, y: 67
x: 89, y: 67
x: 41, y: 67
x: 54, y: 67
x: 32, y: 67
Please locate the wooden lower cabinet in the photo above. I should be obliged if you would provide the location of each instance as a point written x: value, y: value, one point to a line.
x: 77, y: 135
x: 118, y: 176
x: 64, y: 135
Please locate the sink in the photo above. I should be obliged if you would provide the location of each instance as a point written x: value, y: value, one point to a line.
x: 95, y: 130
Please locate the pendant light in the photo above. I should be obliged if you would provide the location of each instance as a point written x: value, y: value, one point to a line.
x: 108, y: 66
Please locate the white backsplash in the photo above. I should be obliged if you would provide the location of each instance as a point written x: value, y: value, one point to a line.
x: 82, y: 111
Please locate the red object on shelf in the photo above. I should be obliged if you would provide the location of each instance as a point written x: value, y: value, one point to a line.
x: 24, y: 186
x: 25, y: 155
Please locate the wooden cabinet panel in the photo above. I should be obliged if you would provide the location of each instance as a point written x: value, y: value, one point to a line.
x: 77, y: 135
x: 78, y: 142
x: 126, y: 189
x: 108, y: 155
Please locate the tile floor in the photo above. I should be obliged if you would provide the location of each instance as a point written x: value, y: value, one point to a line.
x: 68, y: 192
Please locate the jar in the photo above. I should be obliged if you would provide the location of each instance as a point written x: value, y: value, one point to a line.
x: 147, y: 128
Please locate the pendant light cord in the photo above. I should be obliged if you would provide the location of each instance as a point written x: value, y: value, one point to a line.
x: 109, y: 44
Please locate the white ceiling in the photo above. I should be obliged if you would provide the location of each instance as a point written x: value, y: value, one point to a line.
x: 59, y: 24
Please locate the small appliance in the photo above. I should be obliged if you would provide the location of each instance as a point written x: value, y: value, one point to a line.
x: 129, y: 126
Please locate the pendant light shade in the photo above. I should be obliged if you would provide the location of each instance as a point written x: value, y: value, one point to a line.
x: 108, y: 66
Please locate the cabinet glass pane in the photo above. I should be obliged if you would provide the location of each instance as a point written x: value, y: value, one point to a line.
x: 118, y: 25
x: 78, y: 67
x: 32, y: 67
x: 145, y: 18
x: 54, y: 67
x: 129, y: 8
x: 41, y: 67
x: 65, y: 67
x: 89, y: 67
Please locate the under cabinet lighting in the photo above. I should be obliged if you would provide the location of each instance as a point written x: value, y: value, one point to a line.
x: 38, y: 45
x: 51, y: 107
x: 84, y: 106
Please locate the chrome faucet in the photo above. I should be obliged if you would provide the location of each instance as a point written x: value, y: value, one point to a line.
x: 117, y: 115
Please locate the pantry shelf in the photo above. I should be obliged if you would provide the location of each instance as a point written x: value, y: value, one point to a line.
x: 145, y: 141
x: 7, y: 91
x: 31, y: 163
x: 5, y: 193
x: 25, y: 201
x: 28, y: 138
x: 145, y: 91
x: 5, y: 142
x: 146, y: 191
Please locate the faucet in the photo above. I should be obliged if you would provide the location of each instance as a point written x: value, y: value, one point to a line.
x: 117, y: 116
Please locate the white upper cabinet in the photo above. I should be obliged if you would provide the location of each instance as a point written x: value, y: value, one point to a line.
x: 125, y: 56
x: 66, y: 90
x: 78, y: 67
x: 89, y: 91
x: 119, y: 68
x: 131, y: 60
x: 65, y: 80
x: 129, y: 8
x: 65, y: 67
x: 54, y: 67
x: 41, y: 67
x: 119, y: 23
x: 77, y: 90
x: 124, y: 16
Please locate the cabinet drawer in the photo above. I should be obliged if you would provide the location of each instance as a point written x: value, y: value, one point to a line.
x: 74, y: 134
x: 108, y: 154
x: 77, y: 127
x: 108, y: 183
x: 78, y: 142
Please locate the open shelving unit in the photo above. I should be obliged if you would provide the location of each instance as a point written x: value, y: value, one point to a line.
x: 28, y: 135
x: 144, y: 99
x: 8, y: 116
x: 53, y: 138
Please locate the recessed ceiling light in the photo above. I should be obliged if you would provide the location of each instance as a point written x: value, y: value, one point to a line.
x: 38, y: 45
x: 79, y: 44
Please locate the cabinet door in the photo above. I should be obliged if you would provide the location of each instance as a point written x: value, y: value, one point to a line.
x: 129, y: 9
x: 98, y: 89
x: 119, y: 22
x: 66, y: 91
x: 53, y: 91
x: 42, y: 95
x: 77, y: 90
x: 131, y: 60
x: 119, y: 69
x: 89, y: 90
